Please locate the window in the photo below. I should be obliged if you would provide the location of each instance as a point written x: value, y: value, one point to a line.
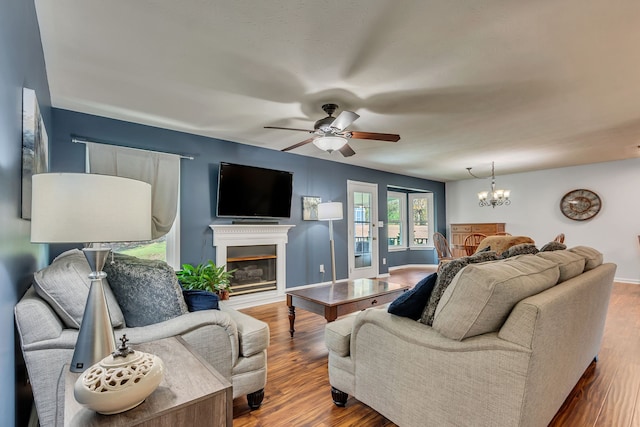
x: 409, y: 220
x: 396, y: 219
x: 421, y: 217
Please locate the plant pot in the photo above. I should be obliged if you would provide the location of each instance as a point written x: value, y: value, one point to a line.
x: 200, y: 300
x: 224, y: 294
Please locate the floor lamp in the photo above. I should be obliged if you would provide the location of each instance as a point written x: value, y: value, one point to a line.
x: 90, y: 209
x: 330, y: 211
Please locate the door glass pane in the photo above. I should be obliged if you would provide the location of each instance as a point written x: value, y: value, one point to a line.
x: 362, y: 229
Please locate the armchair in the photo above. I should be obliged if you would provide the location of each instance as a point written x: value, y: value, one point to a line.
x: 233, y: 343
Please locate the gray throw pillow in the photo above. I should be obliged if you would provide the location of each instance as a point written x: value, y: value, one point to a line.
x: 553, y: 246
x: 446, y: 274
x: 65, y: 286
x: 148, y: 291
x: 522, y: 249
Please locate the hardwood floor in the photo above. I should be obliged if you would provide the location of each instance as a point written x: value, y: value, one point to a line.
x: 298, y: 391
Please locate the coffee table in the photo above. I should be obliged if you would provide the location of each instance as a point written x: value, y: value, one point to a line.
x: 332, y: 301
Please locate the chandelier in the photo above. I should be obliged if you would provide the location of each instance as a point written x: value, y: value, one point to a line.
x: 494, y: 197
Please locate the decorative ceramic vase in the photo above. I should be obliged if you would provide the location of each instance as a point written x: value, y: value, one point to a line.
x: 120, y: 381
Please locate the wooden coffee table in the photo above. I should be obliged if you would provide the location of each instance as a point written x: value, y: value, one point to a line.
x: 332, y: 301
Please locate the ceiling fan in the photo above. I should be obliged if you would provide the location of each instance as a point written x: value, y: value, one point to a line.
x: 330, y: 134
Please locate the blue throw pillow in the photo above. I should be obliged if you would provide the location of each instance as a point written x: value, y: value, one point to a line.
x: 411, y: 303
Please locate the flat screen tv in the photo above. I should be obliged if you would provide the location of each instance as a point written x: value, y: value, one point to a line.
x: 252, y: 192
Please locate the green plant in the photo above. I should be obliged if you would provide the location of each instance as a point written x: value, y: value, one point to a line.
x: 206, y: 277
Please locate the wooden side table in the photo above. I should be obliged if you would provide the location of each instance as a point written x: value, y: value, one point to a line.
x: 192, y: 393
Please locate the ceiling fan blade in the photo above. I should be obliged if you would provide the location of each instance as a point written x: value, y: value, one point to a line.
x: 299, y: 144
x: 347, y: 151
x: 277, y: 127
x: 344, y: 119
x: 390, y: 137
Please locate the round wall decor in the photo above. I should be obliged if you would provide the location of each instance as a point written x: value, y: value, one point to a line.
x: 580, y: 205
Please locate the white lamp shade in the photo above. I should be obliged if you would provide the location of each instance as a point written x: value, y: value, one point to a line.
x: 329, y: 143
x: 329, y: 211
x: 89, y: 208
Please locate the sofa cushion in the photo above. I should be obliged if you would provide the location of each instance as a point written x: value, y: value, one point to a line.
x: 481, y: 297
x: 148, y: 291
x: 592, y: 257
x: 65, y: 286
x: 521, y: 249
x: 571, y: 265
x: 446, y: 274
x: 411, y: 303
x: 499, y: 244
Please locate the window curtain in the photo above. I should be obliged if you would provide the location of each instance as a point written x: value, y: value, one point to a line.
x: 161, y: 170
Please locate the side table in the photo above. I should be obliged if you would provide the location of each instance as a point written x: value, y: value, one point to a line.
x: 192, y: 393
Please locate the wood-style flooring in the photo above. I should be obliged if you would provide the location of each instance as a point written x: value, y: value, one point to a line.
x: 298, y: 391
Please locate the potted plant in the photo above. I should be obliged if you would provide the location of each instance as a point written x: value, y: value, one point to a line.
x: 203, y: 284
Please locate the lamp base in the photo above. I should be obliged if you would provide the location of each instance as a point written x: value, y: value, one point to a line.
x: 95, y: 338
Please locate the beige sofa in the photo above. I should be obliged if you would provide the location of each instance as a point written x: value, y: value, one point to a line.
x: 233, y: 343
x: 491, y: 357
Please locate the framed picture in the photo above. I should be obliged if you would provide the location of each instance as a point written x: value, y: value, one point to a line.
x: 35, y: 147
x: 310, y: 208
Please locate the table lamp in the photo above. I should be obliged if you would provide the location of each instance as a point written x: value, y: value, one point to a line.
x: 330, y: 211
x: 90, y: 209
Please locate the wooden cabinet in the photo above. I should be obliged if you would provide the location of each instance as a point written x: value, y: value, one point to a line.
x: 460, y: 231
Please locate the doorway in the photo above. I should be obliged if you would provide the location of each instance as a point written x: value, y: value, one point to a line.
x: 362, y: 217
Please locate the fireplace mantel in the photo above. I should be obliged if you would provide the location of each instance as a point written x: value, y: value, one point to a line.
x: 228, y: 235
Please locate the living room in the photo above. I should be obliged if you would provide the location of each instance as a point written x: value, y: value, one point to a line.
x: 534, y: 210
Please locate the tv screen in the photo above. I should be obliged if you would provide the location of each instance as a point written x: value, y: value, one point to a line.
x: 252, y: 192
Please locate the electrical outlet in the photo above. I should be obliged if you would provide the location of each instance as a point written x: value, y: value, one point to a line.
x: 384, y: 261
x: 321, y: 268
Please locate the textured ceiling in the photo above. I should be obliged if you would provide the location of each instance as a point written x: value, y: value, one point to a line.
x: 528, y: 84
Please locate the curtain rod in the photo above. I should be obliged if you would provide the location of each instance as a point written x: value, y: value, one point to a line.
x: 81, y: 140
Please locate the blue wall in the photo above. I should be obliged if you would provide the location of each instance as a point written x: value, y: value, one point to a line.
x: 21, y: 64
x: 308, y: 240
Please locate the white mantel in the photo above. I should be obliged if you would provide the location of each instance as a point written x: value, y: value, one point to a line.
x: 226, y: 235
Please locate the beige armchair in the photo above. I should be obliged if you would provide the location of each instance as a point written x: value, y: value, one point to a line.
x: 47, y: 316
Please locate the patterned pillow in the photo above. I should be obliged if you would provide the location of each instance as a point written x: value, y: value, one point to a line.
x: 65, y: 285
x: 553, y: 246
x: 411, y: 303
x: 446, y: 274
x: 148, y: 291
x: 523, y: 249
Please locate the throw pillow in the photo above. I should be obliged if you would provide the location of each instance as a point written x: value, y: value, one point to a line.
x: 522, y: 249
x: 553, y: 246
x: 445, y: 276
x: 481, y: 297
x: 65, y: 286
x: 148, y: 291
x: 411, y: 303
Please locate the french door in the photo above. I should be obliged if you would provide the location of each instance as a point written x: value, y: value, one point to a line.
x: 362, y: 214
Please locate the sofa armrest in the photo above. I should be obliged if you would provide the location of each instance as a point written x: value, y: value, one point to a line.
x: 253, y: 334
x: 337, y: 335
x: 36, y: 320
x: 181, y: 325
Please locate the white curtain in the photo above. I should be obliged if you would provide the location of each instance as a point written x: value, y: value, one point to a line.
x: 161, y: 170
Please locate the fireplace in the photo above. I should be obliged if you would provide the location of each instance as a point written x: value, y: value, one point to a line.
x: 258, y: 254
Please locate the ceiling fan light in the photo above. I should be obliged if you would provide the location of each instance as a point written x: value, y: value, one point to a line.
x: 329, y: 143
